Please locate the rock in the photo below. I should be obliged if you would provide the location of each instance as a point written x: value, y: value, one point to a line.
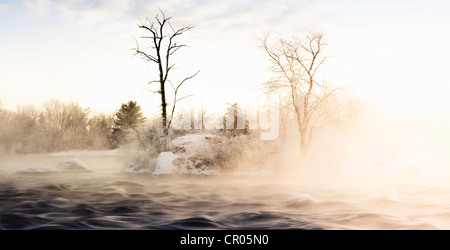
x: 193, y: 143
x: 73, y: 165
x: 164, y: 163
x: 190, y: 154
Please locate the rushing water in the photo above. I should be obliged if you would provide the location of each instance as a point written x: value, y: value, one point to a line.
x: 109, y: 198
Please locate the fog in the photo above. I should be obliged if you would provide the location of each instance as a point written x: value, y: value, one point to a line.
x: 371, y: 147
x: 377, y: 148
x: 372, y: 170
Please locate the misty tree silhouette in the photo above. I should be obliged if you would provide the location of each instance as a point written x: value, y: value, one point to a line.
x: 295, y: 64
x: 164, y: 45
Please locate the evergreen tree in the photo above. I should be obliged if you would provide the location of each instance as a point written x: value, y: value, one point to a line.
x: 129, y: 116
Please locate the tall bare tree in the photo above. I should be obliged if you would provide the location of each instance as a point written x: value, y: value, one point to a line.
x: 296, y: 63
x: 163, y: 38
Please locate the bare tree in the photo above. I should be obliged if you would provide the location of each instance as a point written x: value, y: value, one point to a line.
x: 100, y: 131
x: 6, y: 131
x: 163, y: 46
x: 296, y: 63
x: 26, y: 126
x: 64, y: 125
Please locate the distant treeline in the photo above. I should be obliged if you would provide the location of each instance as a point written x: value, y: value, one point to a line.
x: 56, y: 126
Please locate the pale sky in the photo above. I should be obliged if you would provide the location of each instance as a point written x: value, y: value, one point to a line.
x: 392, y: 52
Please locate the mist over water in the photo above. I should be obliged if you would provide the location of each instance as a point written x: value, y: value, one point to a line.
x: 378, y: 172
x: 109, y: 200
x: 391, y: 176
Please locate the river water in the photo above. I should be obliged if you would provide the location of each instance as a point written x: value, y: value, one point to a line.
x: 110, y: 198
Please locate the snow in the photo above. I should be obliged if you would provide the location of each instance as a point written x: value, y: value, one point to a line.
x: 73, y: 165
x: 194, y: 142
x: 164, y: 163
x: 194, y: 154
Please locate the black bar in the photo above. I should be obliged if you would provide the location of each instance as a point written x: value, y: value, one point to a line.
x: 221, y: 239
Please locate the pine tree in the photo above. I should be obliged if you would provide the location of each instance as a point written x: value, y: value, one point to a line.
x: 129, y: 116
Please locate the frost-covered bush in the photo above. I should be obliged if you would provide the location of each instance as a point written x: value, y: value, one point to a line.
x: 223, y: 151
x: 192, y: 151
x: 247, y: 150
x: 143, y: 145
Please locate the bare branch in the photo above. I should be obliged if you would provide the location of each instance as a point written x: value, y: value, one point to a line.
x: 152, y: 82
x: 186, y: 79
x: 184, y: 97
x: 175, y: 96
x: 175, y: 48
x: 145, y: 55
x: 151, y: 29
x: 171, y: 84
x: 318, y: 66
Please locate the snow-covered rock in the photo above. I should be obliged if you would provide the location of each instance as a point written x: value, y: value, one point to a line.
x: 193, y: 154
x: 193, y: 143
x: 165, y: 163
x: 197, y: 151
x: 73, y: 165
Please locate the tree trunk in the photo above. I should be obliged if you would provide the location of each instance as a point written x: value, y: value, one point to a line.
x: 164, y: 108
x: 303, y: 146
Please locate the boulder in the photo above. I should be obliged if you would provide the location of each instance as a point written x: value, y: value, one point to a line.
x: 73, y: 165
x: 165, y: 163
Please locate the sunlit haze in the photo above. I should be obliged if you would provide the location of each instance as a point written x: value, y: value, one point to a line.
x: 267, y: 137
x: 391, y: 52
